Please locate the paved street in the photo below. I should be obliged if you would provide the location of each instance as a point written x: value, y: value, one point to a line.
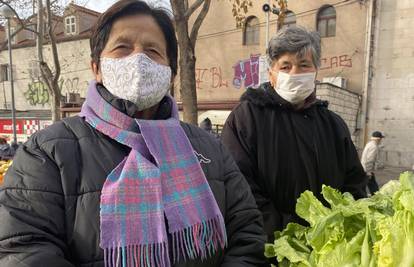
x: 388, y: 173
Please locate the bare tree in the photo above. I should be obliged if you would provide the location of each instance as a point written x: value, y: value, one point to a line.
x: 49, y: 74
x: 187, y: 38
x: 48, y: 77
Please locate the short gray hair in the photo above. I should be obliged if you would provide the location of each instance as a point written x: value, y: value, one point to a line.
x: 297, y: 40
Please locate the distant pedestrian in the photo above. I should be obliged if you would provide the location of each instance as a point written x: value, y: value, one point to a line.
x: 370, y: 160
x: 6, y: 152
x: 207, y: 126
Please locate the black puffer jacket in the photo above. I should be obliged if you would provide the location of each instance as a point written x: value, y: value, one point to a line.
x: 49, y: 202
x: 282, y: 152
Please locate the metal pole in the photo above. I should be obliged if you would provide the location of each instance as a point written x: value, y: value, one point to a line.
x: 267, y: 25
x: 11, y: 81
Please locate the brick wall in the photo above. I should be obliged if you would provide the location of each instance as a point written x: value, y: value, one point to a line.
x: 344, y: 103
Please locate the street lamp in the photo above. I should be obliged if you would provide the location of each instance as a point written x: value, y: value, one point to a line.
x: 267, y: 9
x: 8, y: 13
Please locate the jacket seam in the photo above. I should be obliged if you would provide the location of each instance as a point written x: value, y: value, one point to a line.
x: 28, y: 189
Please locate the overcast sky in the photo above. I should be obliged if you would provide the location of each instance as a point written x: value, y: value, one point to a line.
x: 102, y: 5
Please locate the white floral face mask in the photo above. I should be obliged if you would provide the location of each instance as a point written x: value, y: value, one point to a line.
x: 136, y: 78
x: 295, y: 88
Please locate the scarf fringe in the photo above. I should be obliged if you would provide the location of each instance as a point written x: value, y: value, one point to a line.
x: 201, y: 240
x: 146, y: 255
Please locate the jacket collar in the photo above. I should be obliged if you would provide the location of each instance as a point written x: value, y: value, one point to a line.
x: 266, y: 96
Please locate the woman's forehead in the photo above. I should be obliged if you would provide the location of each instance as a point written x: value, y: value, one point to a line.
x: 295, y: 58
x: 130, y: 28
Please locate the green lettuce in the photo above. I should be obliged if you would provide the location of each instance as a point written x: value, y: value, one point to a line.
x: 375, y: 231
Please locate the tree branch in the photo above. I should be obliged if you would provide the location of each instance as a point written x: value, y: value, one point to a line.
x: 40, y: 36
x: 190, y: 10
x: 199, y: 21
x: 22, y: 25
x: 185, y: 4
x: 53, y: 43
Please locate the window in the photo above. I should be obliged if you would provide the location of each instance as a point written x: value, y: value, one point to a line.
x: 251, y: 31
x: 4, y: 72
x: 289, y: 20
x: 327, y: 21
x: 70, y: 25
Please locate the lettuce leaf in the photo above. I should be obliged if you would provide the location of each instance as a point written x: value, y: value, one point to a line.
x: 375, y: 231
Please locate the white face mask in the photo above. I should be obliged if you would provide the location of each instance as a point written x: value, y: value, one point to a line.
x: 295, y: 88
x: 136, y: 78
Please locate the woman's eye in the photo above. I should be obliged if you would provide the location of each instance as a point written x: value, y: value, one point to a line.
x: 120, y: 47
x: 154, y: 51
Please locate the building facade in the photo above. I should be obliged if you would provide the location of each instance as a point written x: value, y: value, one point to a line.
x: 230, y: 59
x: 391, y: 97
x: 72, y: 32
x: 367, y: 71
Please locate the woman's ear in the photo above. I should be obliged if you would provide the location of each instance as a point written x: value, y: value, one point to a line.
x: 96, y: 71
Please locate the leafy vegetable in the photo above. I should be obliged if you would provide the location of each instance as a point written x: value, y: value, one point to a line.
x: 375, y: 231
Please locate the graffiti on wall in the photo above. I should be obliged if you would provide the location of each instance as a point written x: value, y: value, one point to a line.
x: 246, y: 72
x: 213, y: 77
x: 36, y: 94
x: 336, y: 62
x: 69, y: 85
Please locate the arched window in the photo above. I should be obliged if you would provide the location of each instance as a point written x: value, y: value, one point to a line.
x: 327, y: 21
x: 289, y: 20
x: 251, y: 31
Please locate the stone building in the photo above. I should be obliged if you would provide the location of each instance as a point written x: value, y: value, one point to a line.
x: 229, y: 59
x: 367, y: 71
x: 390, y: 97
x: 72, y: 31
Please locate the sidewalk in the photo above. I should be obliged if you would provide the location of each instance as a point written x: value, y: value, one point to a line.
x: 388, y: 173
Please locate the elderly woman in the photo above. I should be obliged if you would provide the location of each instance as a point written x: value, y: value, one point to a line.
x: 121, y: 184
x: 284, y: 140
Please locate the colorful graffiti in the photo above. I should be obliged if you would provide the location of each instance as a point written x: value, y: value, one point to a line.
x: 246, y: 72
x: 336, y: 62
x: 37, y: 94
x: 212, y: 76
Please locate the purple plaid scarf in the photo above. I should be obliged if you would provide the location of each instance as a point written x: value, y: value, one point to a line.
x: 160, y: 182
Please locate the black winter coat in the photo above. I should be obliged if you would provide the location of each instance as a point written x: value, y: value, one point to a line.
x: 49, y: 202
x: 283, y: 152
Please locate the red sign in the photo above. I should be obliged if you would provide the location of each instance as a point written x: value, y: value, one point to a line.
x: 6, y: 126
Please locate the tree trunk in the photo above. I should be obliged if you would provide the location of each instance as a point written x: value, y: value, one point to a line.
x: 187, y: 81
x: 55, y: 108
x: 186, y: 43
x: 186, y: 64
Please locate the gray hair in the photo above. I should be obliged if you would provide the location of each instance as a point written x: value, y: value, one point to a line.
x: 297, y: 40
